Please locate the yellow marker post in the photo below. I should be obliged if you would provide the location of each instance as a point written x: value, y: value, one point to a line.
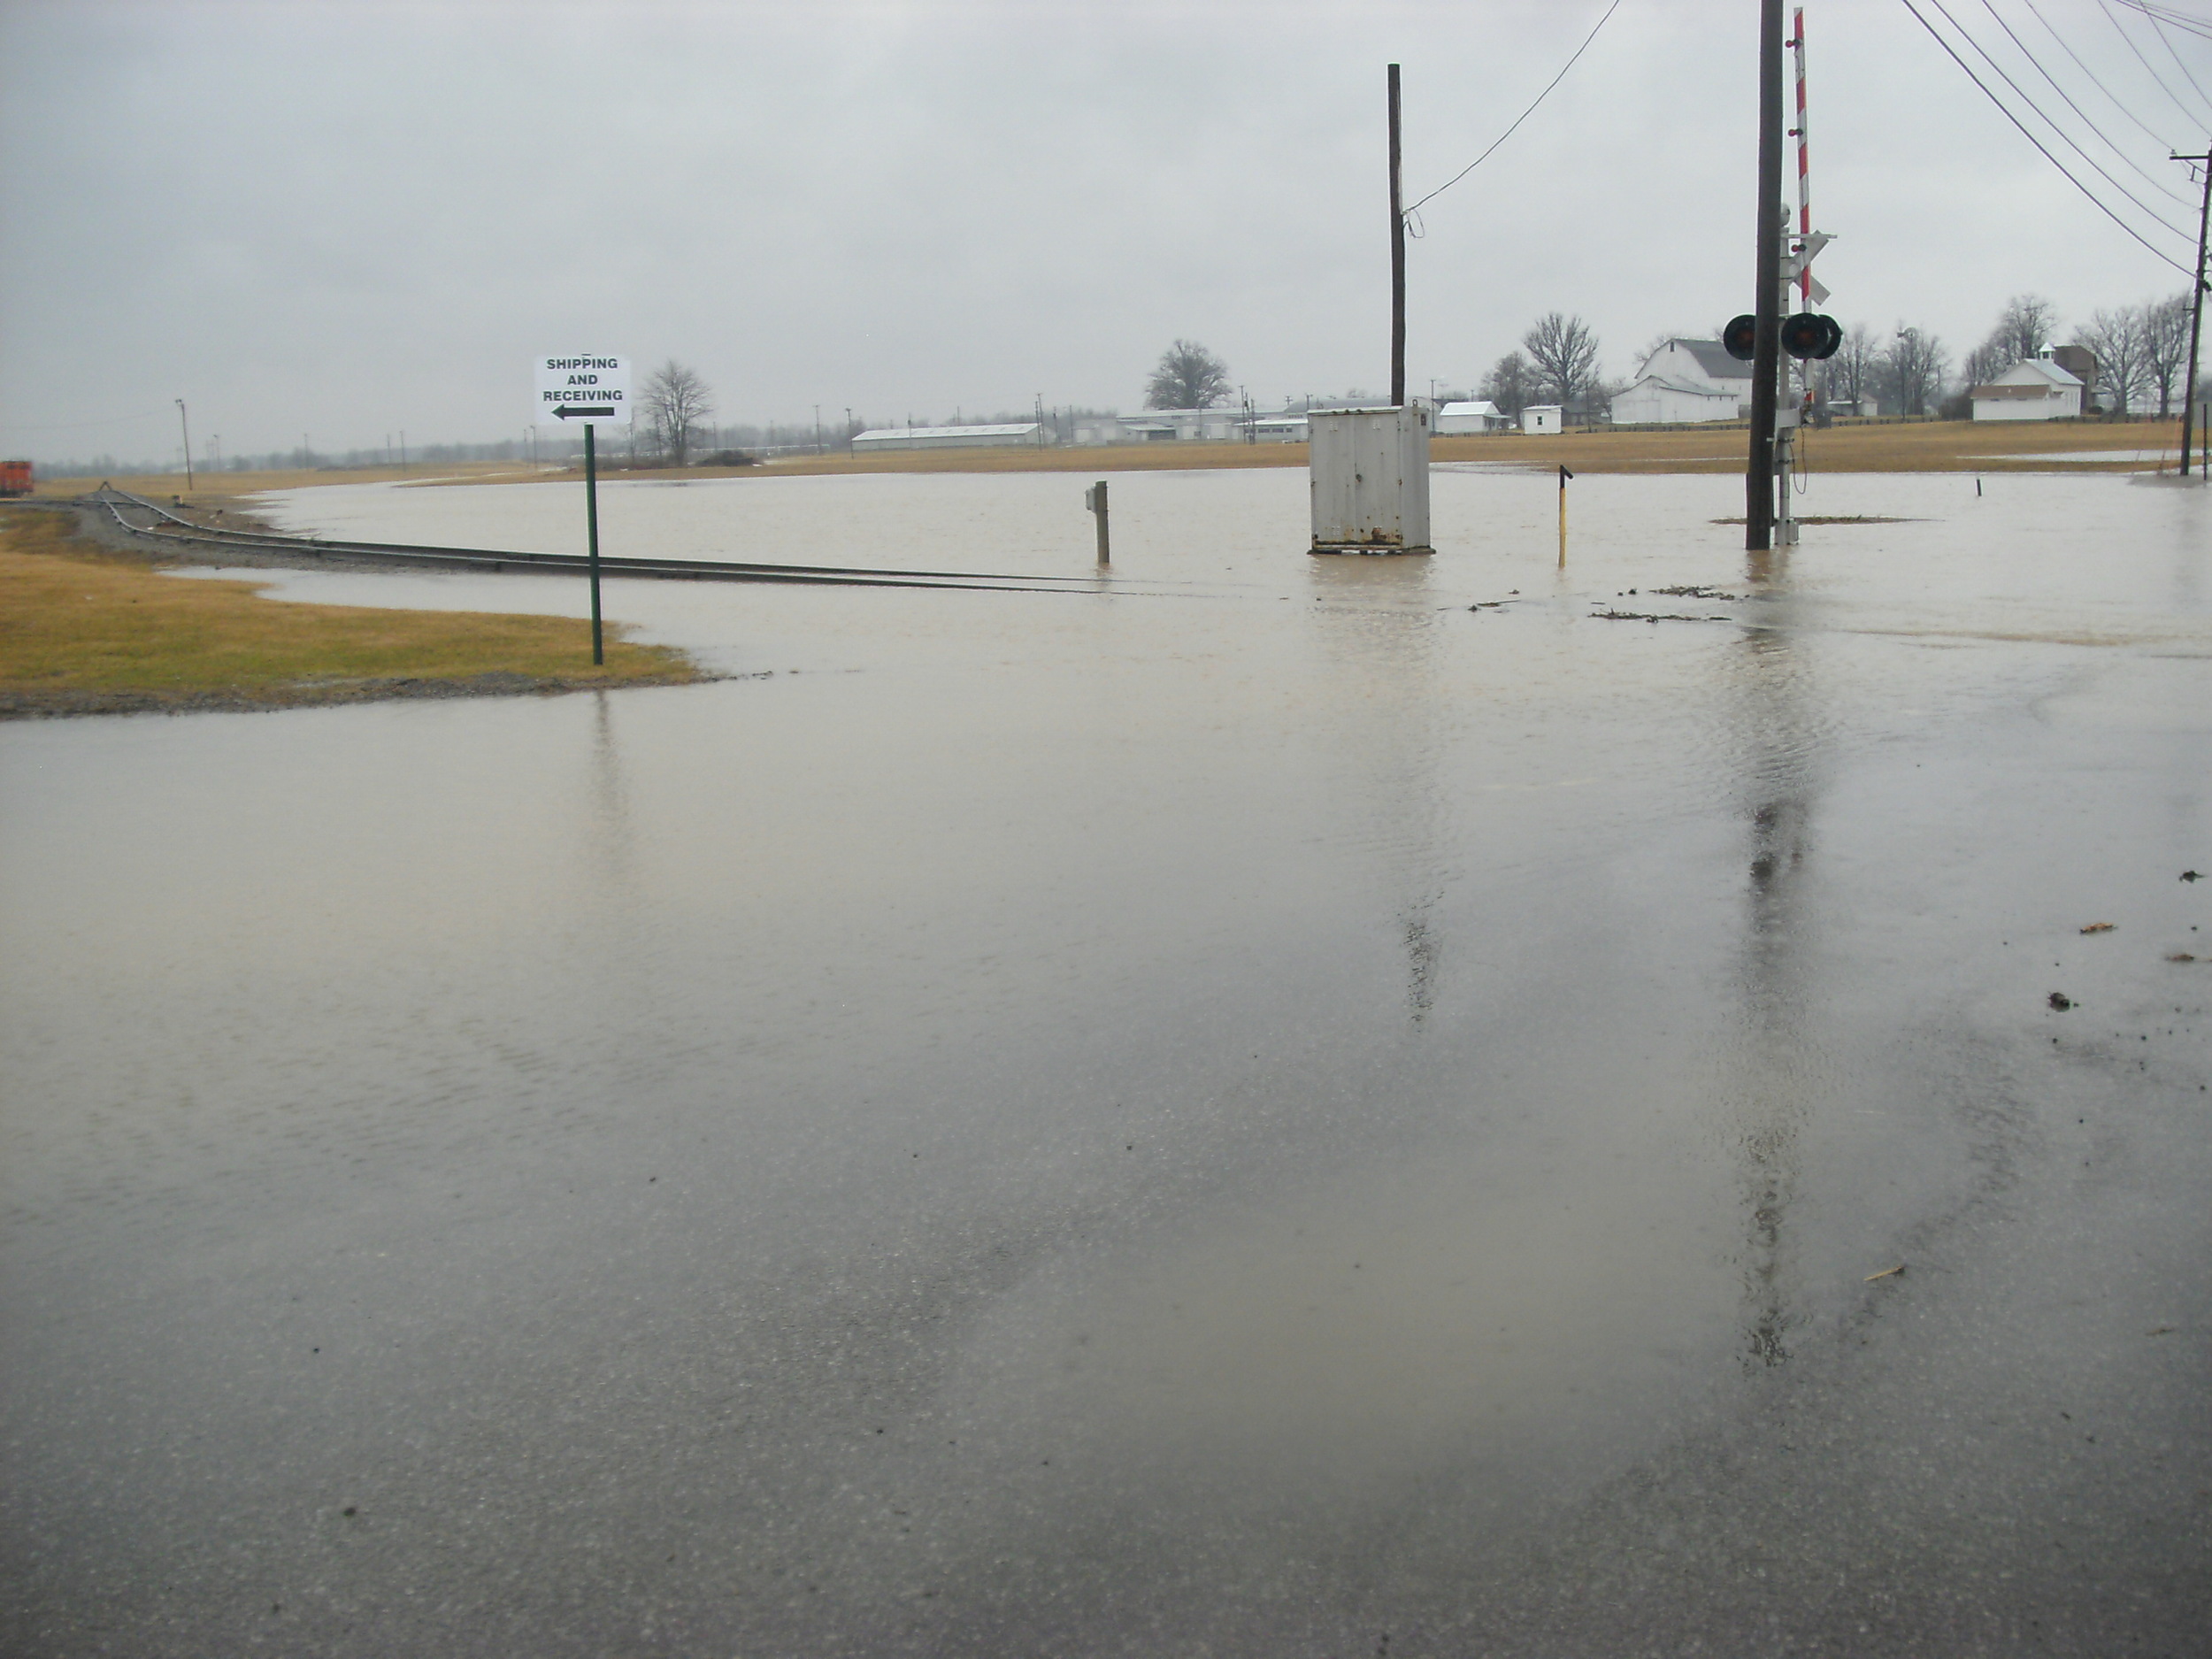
x: 1563, y: 476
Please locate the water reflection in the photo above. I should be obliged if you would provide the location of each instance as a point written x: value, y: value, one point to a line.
x: 1778, y: 744
x: 612, y: 845
x: 1377, y: 619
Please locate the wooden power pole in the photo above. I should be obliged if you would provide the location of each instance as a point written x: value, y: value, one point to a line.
x: 1397, y: 255
x: 1766, y: 359
x: 2196, y: 316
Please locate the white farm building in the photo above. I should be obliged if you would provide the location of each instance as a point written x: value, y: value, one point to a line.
x: 1163, y: 425
x: 2034, y: 389
x: 1685, y: 380
x: 1027, y: 433
x: 1455, y: 420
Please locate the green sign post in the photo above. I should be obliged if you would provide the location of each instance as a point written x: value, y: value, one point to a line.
x: 595, y: 389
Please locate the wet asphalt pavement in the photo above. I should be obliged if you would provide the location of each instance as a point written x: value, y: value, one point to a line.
x: 1263, y: 1110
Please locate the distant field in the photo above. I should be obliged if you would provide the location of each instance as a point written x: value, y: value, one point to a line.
x: 1920, y: 446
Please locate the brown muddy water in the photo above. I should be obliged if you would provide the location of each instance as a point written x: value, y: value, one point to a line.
x: 1254, y: 1110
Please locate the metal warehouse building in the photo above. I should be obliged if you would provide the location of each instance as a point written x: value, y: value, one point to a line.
x: 950, y: 437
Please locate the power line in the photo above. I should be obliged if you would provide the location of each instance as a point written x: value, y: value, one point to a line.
x: 1523, y: 115
x: 2165, y: 40
x: 2186, y: 20
x: 2105, y: 6
x: 2066, y: 137
x: 1936, y: 36
x: 2147, y: 177
x: 2118, y: 103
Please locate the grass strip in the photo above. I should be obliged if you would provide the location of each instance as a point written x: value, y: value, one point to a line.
x: 87, y: 631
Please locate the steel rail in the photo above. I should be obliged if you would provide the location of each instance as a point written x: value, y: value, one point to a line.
x: 570, y: 564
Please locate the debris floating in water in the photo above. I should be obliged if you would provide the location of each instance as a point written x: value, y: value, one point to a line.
x: 2100, y: 927
x: 2061, y: 1000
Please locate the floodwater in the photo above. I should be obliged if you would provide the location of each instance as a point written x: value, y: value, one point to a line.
x: 1254, y: 1110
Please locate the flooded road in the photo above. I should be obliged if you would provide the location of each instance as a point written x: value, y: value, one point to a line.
x: 1279, y: 1107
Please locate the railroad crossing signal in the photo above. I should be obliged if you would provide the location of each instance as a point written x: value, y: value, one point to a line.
x: 1806, y: 334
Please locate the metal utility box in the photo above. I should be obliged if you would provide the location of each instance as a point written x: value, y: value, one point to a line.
x: 1370, y: 471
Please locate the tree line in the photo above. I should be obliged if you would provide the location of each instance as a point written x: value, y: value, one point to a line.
x: 2142, y: 354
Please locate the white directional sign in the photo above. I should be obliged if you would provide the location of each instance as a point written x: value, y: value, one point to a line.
x: 572, y: 390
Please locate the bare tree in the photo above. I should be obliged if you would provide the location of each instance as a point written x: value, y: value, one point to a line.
x: 1854, y: 370
x: 1564, y: 354
x: 676, y: 400
x: 1188, y: 377
x: 2117, y: 337
x: 2166, y: 348
x: 1913, y: 369
x: 1509, y: 384
x: 2023, y: 329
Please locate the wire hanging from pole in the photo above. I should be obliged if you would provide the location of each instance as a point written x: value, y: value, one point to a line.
x: 1523, y: 115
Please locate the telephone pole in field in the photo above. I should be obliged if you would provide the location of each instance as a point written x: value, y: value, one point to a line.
x: 1767, y: 348
x: 2196, y: 315
x: 1397, y: 254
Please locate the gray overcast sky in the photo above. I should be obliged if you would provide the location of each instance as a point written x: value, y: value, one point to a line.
x: 345, y: 219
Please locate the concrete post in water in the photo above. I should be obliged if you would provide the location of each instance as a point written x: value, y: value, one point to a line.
x: 1094, y: 498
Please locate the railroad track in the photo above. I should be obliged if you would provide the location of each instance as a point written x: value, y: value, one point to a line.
x: 172, y: 530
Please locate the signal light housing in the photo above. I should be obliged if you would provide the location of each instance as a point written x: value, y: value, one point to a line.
x: 1811, y: 335
x: 1806, y: 334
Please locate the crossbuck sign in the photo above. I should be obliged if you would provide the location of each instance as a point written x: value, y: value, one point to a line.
x: 583, y: 388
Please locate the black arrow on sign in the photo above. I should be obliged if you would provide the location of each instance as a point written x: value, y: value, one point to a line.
x: 570, y: 412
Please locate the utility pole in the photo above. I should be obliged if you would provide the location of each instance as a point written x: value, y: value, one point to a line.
x: 2196, y: 316
x: 1767, y: 348
x: 1397, y: 255
x: 185, y: 421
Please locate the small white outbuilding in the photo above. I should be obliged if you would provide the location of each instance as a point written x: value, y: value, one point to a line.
x: 1538, y: 418
x: 2034, y: 389
x: 1457, y: 419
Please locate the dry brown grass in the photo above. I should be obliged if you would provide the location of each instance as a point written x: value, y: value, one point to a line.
x: 81, y: 628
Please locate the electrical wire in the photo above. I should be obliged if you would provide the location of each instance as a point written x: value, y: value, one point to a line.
x: 2170, y: 195
x: 2021, y: 92
x: 2118, y: 103
x: 2189, y: 114
x: 2187, y: 21
x: 1949, y: 51
x: 1523, y: 115
x: 2165, y: 40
